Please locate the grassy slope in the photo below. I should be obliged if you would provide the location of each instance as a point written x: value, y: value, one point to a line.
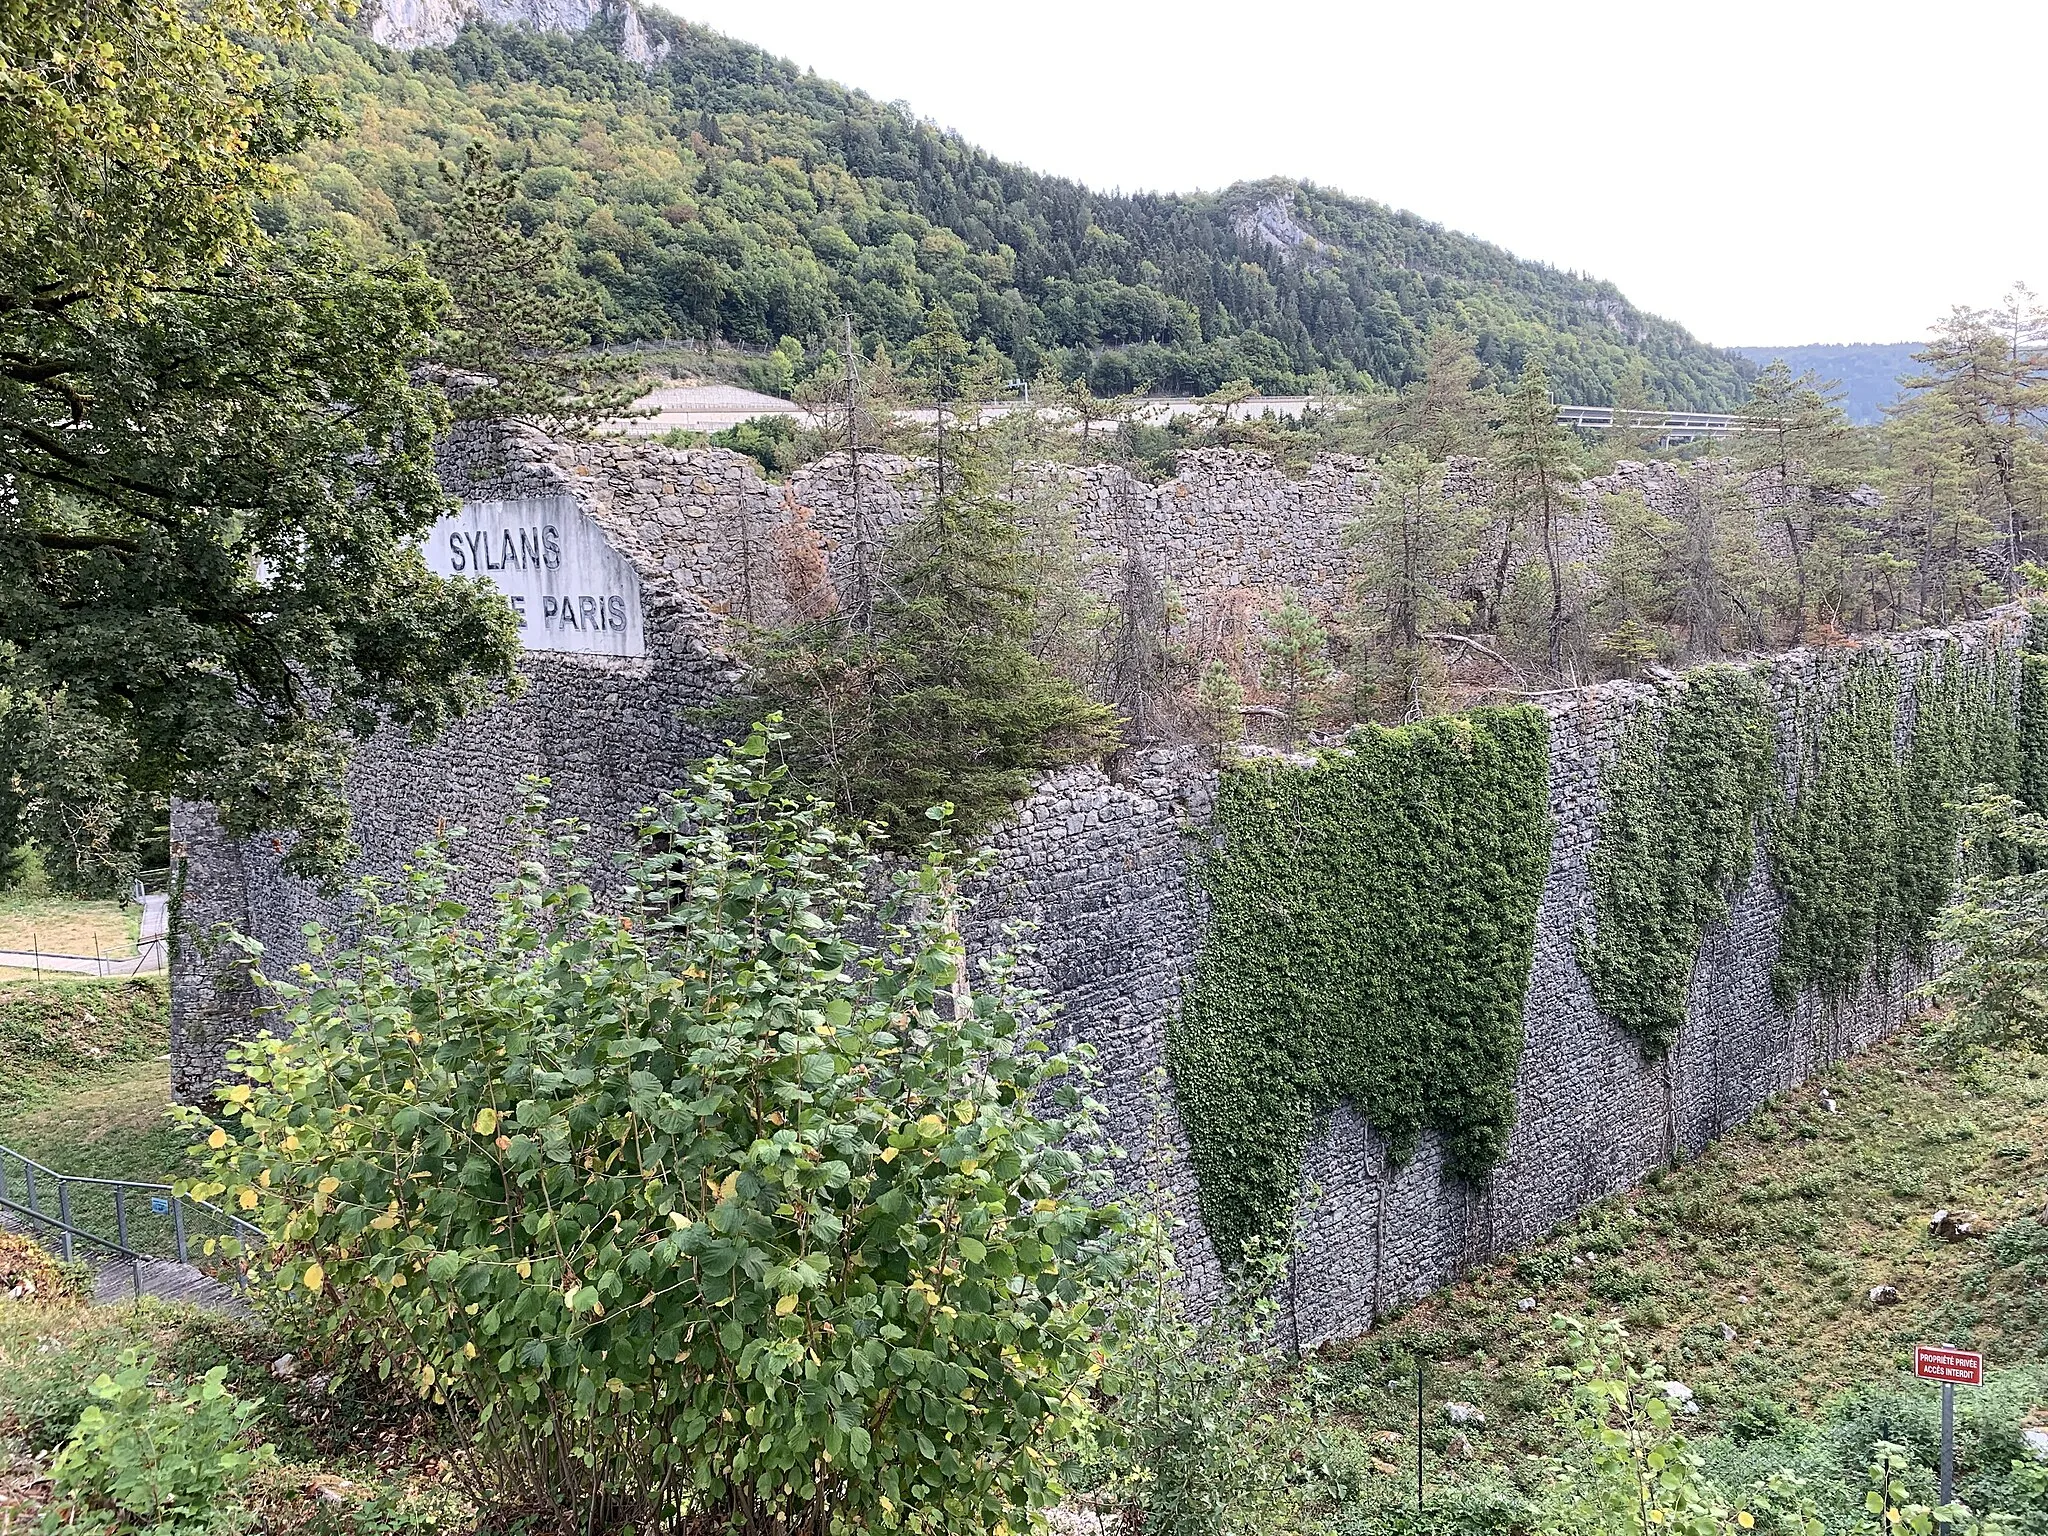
x: 55, y: 1035
x: 1748, y: 1271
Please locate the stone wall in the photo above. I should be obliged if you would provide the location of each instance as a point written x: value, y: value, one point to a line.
x: 1103, y: 872
x: 1098, y: 873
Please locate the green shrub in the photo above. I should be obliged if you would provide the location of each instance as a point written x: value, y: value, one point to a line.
x: 1206, y: 1415
x: 739, y: 1213
x: 155, y: 1464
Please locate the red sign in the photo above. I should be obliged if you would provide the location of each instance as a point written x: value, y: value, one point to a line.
x: 1959, y: 1367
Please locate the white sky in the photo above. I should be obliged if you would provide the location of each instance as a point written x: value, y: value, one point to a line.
x: 1764, y: 173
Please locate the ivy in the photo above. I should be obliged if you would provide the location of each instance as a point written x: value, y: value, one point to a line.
x: 1372, y: 923
x: 1676, y: 837
x: 1865, y: 853
x: 2033, y: 742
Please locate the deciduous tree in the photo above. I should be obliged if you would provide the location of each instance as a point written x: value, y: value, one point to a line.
x: 215, y: 467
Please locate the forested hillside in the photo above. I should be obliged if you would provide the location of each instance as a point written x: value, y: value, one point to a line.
x: 722, y: 193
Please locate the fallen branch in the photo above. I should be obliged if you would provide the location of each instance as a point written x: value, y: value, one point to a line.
x: 1479, y: 646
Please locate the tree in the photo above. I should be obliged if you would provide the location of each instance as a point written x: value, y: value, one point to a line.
x: 941, y: 699
x: 1632, y: 602
x: 1987, y: 372
x: 1631, y: 434
x: 1535, y: 462
x: 1442, y: 414
x: 215, y: 468
x: 1796, y: 449
x: 522, y: 320
x: 1412, y: 543
x: 1712, y: 567
x: 737, y: 1214
x: 1932, y: 518
x: 1219, y: 701
x: 965, y: 713
x: 1297, y: 660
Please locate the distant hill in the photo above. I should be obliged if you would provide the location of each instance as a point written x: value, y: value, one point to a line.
x: 1868, y: 371
x: 712, y: 189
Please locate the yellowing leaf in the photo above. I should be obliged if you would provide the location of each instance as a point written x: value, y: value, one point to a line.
x: 314, y: 1277
x: 678, y: 1220
x: 732, y: 1183
x: 888, y: 1154
x: 384, y: 1223
x: 931, y: 1125
x: 525, y: 1269
x: 963, y: 1111
x: 486, y: 1121
x: 968, y: 1165
x: 218, y: 1139
x: 329, y: 1185
x: 785, y: 1306
x: 426, y: 1375
x: 239, y: 1094
x: 263, y: 1178
x: 291, y: 1141
x: 248, y: 1199
x: 469, y: 1350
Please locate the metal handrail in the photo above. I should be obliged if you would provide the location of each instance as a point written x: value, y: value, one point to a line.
x: 68, y: 1230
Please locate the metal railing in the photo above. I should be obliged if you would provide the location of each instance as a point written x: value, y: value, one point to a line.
x: 129, y: 1220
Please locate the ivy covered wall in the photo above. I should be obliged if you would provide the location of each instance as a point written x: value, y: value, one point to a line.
x: 1371, y: 920
x: 1456, y: 1027
x: 1864, y: 852
x: 1676, y: 839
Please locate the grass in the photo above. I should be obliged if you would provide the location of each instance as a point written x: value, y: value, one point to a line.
x: 56, y: 1033
x: 1747, y: 1273
x: 66, y: 925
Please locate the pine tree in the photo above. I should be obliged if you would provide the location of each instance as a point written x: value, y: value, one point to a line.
x: 1297, y: 661
x: 1412, y: 543
x: 1987, y: 372
x: 1797, y: 449
x: 1442, y: 415
x: 1632, y: 604
x: 1219, y: 702
x: 523, y: 321
x: 940, y: 697
x: 1535, y: 461
x: 1632, y: 436
x: 1933, y: 516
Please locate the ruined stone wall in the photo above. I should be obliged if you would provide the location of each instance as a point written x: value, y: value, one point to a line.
x: 1100, y: 874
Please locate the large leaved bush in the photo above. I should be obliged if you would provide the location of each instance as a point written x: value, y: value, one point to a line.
x: 734, y: 1213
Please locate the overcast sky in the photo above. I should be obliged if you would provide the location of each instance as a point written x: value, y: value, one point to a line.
x: 1764, y: 173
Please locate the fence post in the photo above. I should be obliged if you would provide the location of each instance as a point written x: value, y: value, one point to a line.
x: 121, y: 1213
x: 64, y: 1214
x: 178, y: 1224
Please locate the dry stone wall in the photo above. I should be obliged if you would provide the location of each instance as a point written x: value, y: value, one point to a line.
x: 1105, y: 874
x: 1096, y: 876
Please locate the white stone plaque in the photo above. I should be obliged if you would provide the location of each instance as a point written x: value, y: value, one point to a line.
x: 569, y: 588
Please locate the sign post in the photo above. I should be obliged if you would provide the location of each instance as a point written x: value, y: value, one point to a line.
x: 1952, y: 1368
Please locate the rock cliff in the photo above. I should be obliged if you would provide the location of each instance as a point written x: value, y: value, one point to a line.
x: 435, y: 23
